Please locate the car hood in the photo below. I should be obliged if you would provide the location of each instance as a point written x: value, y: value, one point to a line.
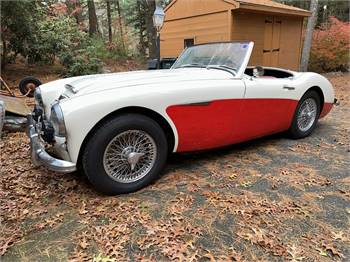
x: 98, y: 83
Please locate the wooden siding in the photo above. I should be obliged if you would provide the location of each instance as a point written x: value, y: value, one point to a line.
x: 291, y: 44
x: 190, y: 8
x: 284, y: 36
x: 225, y: 20
x: 268, y: 33
x: 204, y: 28
x: 272, y: 41
x: 250, y: 27
x: 276, y: 41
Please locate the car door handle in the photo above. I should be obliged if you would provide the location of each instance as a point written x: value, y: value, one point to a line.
x: 289, y: 87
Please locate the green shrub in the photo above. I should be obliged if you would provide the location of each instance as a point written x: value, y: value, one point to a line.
x: 47, y: 33
x: 59, y: 37
x: 105, y: 51
x: 54, y: 36
x: 330, y: 47
x: 18, y: 22
x: 80, y: 62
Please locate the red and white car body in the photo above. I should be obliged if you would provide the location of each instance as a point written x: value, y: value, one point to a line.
x: 204, y: 107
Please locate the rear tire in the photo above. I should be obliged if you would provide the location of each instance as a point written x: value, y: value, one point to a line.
x: 125, y: 154
x: 306, y: 115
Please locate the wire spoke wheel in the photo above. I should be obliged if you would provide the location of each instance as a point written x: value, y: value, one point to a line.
x: 130, y: 156
x: 307, y: 114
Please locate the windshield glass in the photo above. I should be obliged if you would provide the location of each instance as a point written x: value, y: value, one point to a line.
x: 226, y: 55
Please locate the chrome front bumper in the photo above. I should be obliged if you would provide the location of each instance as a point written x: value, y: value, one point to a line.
x: 40, y: 156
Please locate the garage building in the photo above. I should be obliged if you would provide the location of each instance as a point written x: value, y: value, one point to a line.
x: 275, y: 28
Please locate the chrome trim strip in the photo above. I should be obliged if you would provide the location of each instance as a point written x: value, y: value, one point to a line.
x: 289, y: 87
x: 204, y: 103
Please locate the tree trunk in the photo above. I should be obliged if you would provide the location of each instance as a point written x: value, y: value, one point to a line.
x: 141, y: 26
x: 308, y: 36
x: 109, y: 21
x: 78, y: 12
x: 2, y: 115
x: 74, y: 9
x: 93, y: 24
x: 120, y: 24
x: 151, y: 31
x: 4, y: 53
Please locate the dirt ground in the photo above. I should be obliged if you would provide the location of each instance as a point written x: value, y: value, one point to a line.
x: 271, y: 199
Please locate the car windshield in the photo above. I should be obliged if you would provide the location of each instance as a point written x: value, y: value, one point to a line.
x: 227, y: 56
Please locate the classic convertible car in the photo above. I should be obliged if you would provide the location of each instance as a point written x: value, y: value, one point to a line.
x: 120, y: 127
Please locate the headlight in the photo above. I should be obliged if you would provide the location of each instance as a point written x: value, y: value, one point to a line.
x: 38, y: 97
x: 57, y: 120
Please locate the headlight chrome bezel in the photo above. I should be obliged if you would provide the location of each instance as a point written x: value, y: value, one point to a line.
x: 57, y: 120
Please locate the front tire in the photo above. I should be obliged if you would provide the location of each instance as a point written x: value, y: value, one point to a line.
x: 125, y: 154
x: 306, y: 115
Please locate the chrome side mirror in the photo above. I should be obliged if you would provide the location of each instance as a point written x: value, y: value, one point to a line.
x: 258, y: 71
x: 255, y: 72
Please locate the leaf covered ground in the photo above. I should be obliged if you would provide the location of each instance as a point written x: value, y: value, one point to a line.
x: 271, y: 199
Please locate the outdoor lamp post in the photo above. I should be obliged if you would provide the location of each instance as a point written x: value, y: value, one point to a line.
x: 158, y: 21
x: 324, y: 18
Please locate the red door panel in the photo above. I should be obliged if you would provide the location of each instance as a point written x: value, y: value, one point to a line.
x: 206, y: 126
x: 230, y: 121
x: 263, y: 116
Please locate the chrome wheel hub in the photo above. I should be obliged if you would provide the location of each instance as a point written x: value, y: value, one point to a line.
x: 130, y: 156
x: 307, y: 114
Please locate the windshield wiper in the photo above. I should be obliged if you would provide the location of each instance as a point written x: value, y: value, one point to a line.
x: 192, y: 65
x: 224, y: 68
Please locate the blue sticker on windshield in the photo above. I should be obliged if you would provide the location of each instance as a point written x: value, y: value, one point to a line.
x: 244, y: 45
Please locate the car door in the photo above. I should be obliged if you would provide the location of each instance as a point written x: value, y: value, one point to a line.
x: 268, y: 107
x: 208, y: 112
x: 208, y: 115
